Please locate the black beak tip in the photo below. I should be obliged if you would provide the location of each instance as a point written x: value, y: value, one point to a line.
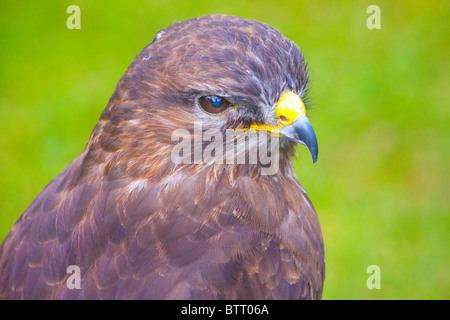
x: 311, y: 143
x: 302, y: 132
x: 314, y: 155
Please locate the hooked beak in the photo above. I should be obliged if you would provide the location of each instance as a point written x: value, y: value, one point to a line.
x: 295, y: 126
x: 293, y: 123
x: 302, y: 132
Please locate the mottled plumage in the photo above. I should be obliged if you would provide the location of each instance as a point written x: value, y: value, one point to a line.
x: 140, y: 226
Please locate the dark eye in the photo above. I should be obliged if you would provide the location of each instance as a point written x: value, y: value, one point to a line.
x: 214, y: 104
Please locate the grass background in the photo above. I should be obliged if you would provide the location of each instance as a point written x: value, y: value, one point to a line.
x: 381, y: 114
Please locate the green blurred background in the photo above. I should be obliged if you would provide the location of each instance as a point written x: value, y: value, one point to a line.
x: 381, y: 114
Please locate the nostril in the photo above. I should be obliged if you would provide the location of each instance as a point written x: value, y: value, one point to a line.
x: 283, y: 119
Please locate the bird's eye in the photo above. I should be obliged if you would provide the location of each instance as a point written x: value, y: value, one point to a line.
x: 214, y: 104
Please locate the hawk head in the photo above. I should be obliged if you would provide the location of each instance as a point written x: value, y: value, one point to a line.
x: 220, y: 71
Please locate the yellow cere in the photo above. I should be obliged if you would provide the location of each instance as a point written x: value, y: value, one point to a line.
x: 288, y: 108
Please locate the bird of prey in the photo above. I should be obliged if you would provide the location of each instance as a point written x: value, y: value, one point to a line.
x: 140, y: 221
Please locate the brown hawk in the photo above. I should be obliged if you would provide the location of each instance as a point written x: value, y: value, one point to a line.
x: 141, y: 221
